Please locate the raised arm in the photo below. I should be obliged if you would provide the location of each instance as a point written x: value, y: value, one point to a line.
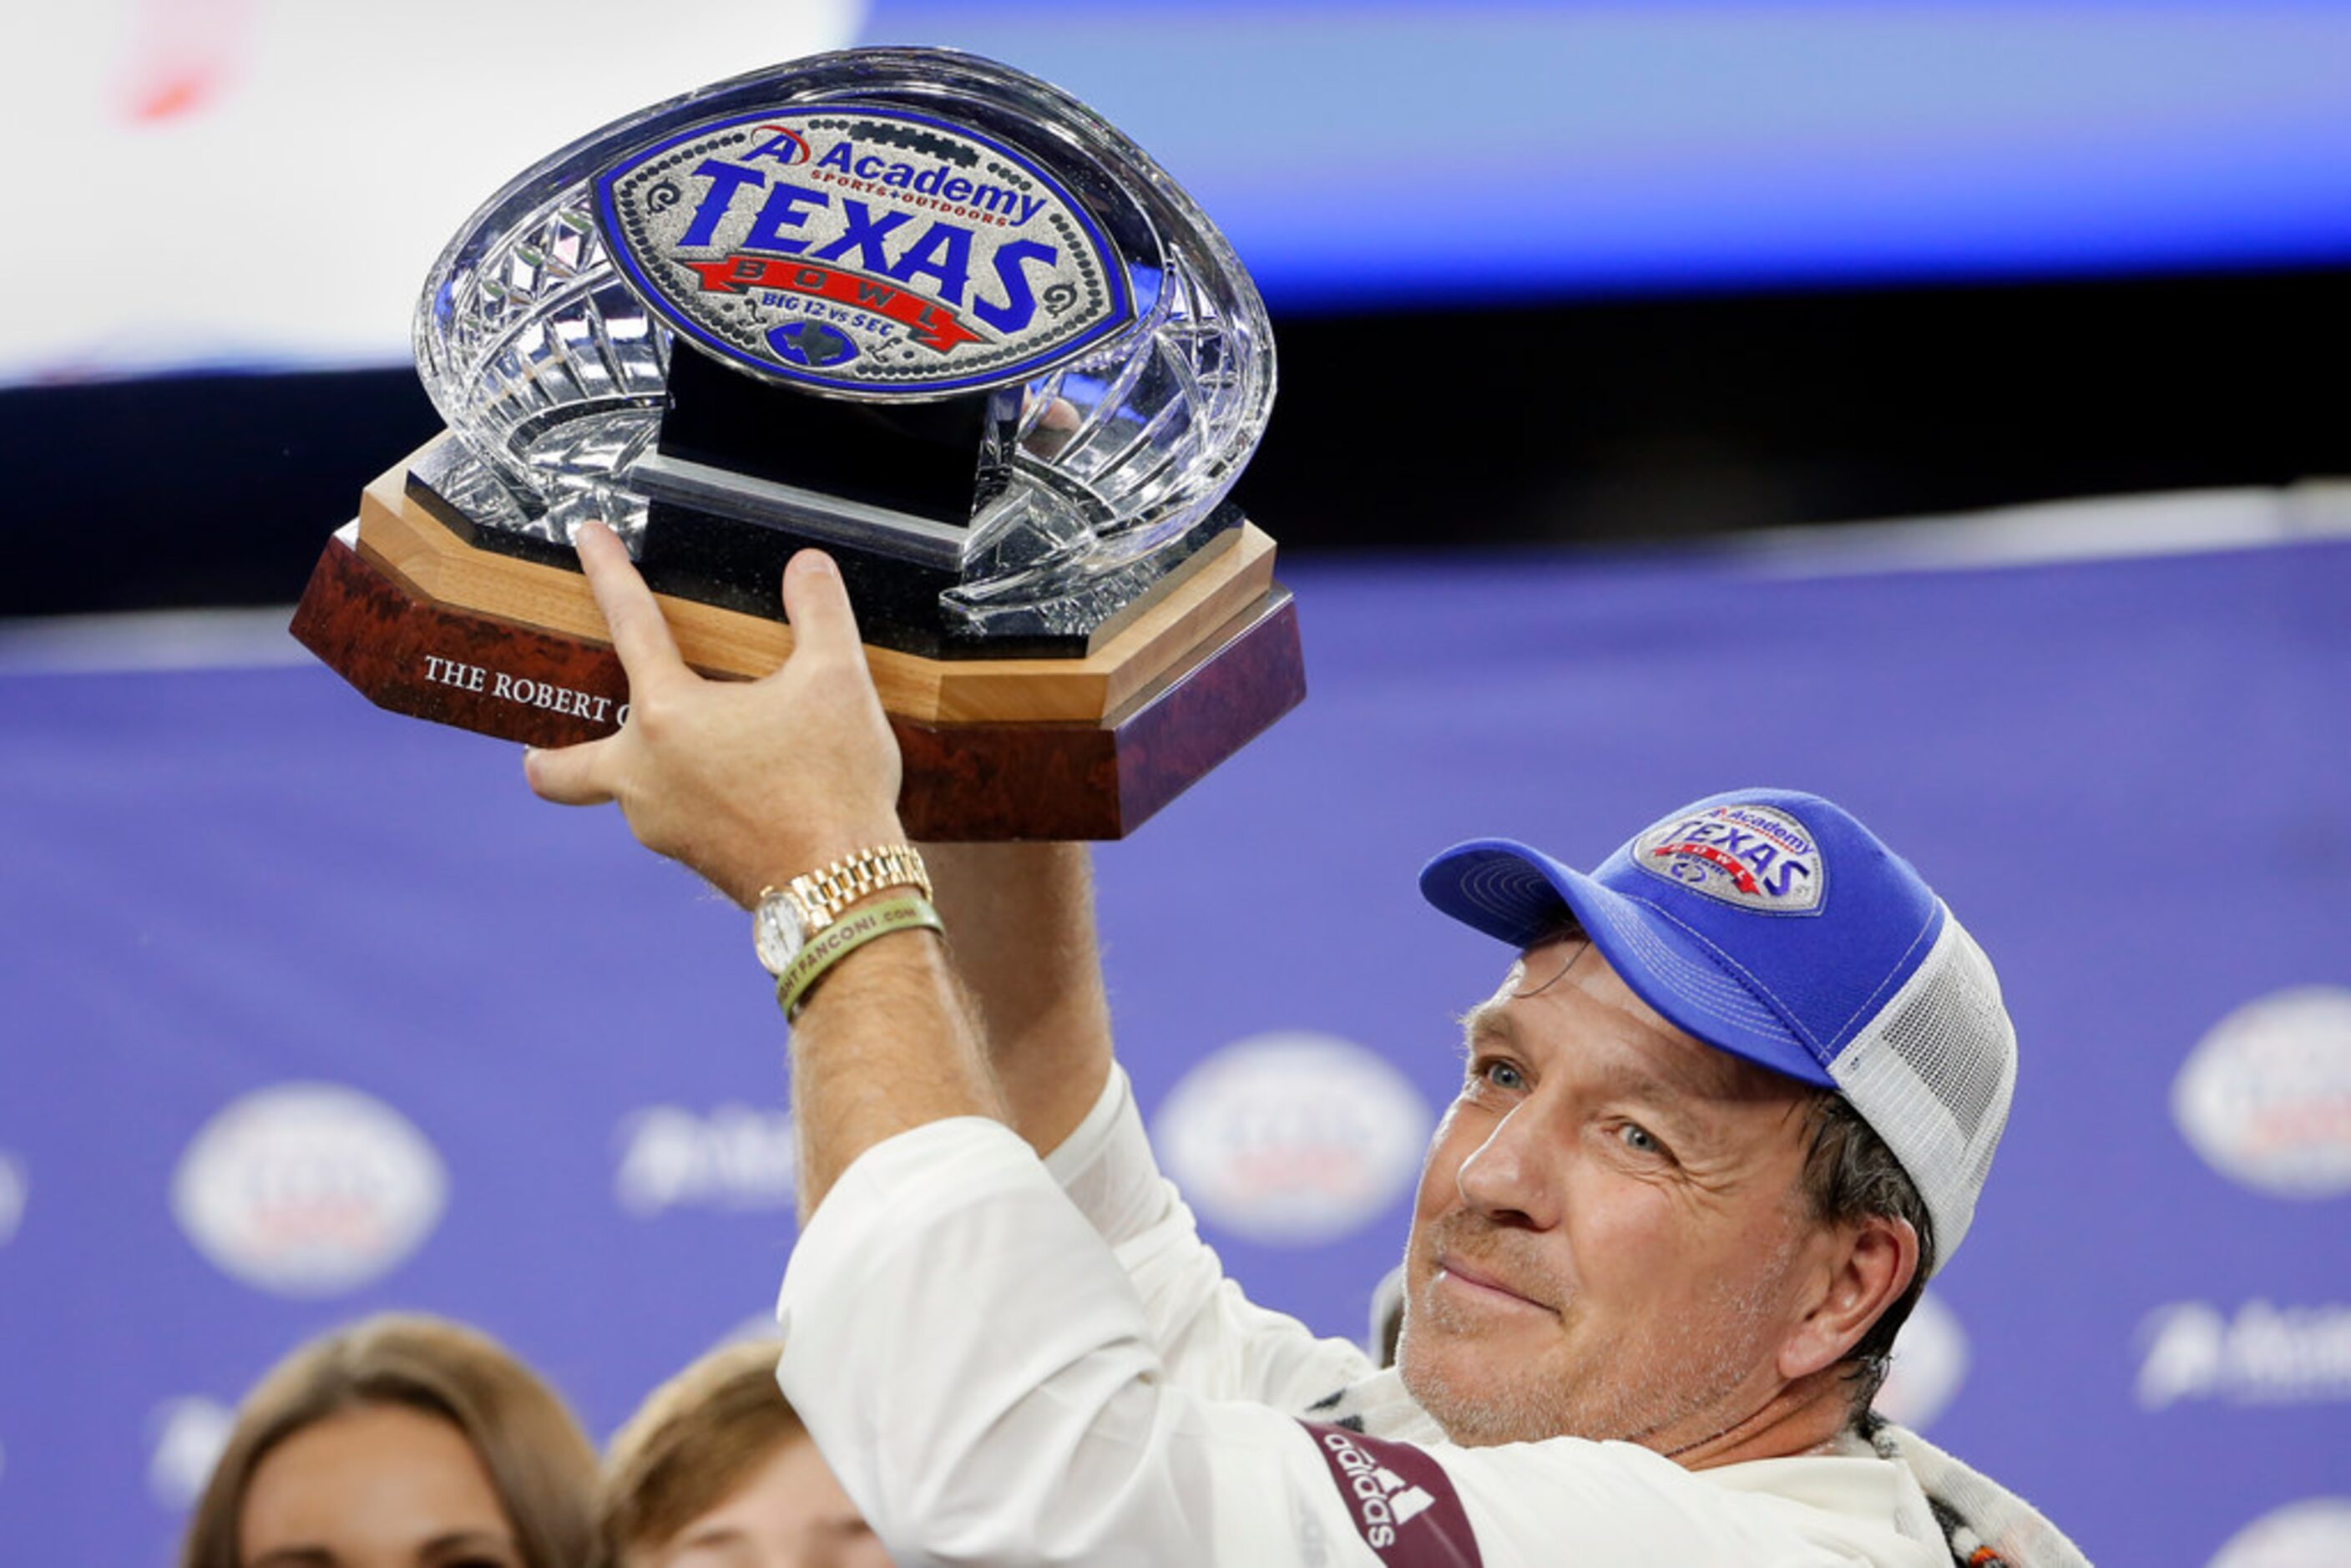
x: 752, y: 783
x: 1020, y: 925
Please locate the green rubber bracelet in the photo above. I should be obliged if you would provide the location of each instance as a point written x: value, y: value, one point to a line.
x: 904, y: 911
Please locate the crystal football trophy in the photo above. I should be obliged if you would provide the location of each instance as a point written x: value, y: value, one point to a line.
x: 910, y: 306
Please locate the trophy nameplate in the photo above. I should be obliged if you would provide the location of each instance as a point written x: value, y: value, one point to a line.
x: 909, y: 305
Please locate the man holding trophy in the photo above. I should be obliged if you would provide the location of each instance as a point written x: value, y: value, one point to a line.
x: 1730, y: 1105
x: 1630, y: 1336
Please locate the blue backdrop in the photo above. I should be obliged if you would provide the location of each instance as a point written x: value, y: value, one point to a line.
x: 1422, y: 155
x: 552, y: 1070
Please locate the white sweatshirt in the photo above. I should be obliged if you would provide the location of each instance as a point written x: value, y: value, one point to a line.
x: 1008, y: 1361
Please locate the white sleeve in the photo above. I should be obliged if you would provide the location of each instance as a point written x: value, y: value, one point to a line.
x: 1209, y: 1336
x: 976, y: 1368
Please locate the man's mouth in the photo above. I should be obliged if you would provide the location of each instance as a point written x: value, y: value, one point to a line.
x: 1480, y: 1286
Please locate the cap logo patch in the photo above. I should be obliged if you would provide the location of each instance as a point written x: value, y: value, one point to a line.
x: 1755, y: 857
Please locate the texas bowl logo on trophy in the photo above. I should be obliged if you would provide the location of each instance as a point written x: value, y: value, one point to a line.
x: 883, y: 253
x: 913, y: 307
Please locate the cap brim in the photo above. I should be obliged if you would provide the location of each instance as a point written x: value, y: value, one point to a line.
x: 1521, y: 895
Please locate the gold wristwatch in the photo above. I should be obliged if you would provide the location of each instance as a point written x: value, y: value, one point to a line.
x: 786, y: 917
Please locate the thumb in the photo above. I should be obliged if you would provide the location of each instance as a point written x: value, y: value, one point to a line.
x: 570, y: 776
x: 816, y: 602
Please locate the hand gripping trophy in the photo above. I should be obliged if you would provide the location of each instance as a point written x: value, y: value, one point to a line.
x: 910, y: 306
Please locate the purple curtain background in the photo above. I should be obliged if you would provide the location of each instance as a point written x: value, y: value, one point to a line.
x: 2128, y: 777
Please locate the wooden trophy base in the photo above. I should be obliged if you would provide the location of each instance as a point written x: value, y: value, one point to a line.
x: 424, y: 623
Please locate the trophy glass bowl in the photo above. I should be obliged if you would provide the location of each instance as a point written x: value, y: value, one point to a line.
x: 909, y: 305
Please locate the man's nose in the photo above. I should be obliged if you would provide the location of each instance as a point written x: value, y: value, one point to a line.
x: 1510, y: 1177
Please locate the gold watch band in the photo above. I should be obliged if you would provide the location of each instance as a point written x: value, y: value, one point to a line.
x: 823, y: 893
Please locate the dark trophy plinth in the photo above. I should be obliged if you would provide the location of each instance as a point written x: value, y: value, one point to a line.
x: 913, y: 308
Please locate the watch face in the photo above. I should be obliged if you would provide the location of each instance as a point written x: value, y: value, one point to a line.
x: 778, y: 931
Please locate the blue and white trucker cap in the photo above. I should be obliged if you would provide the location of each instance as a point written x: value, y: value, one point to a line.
x: 1772, y: 925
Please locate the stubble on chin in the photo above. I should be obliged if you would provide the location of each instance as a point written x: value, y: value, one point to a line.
x: 1470, y: 1412
x: 1480, y: 1392
x: 1484, y: 1387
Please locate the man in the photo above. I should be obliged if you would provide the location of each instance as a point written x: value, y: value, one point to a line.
x: 1731, y: 1103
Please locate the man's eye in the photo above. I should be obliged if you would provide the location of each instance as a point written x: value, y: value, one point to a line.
x: 1503, y: 1075
x: 1639, y: 1139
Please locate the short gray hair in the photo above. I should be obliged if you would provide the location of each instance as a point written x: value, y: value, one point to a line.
x: 1850, y: 1174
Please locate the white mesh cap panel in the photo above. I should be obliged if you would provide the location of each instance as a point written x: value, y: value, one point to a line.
x: 1933, y: 1072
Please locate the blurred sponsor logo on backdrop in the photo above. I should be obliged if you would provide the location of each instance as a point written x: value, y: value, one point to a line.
x: 2312, y: 1535
x: 737, y: 1157
x: 2260, y: 1355
x: 1930, y: 1363
x: 1292, y: 1139
x: 14, y: 1189
x: 189, y: 1434
x: 308, y: 1190
x: 266, y: 183
x: 2265, y: 1097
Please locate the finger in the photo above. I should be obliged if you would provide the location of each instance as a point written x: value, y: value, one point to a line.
x: 1056, y: 423
x: 568, y: 776
x: 816, y: 602
x: 639, y: 635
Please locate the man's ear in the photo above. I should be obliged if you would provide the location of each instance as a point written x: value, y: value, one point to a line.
x: 1870, y: 1263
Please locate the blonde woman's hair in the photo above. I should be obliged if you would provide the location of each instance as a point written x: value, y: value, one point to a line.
x: 694, y: 1440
